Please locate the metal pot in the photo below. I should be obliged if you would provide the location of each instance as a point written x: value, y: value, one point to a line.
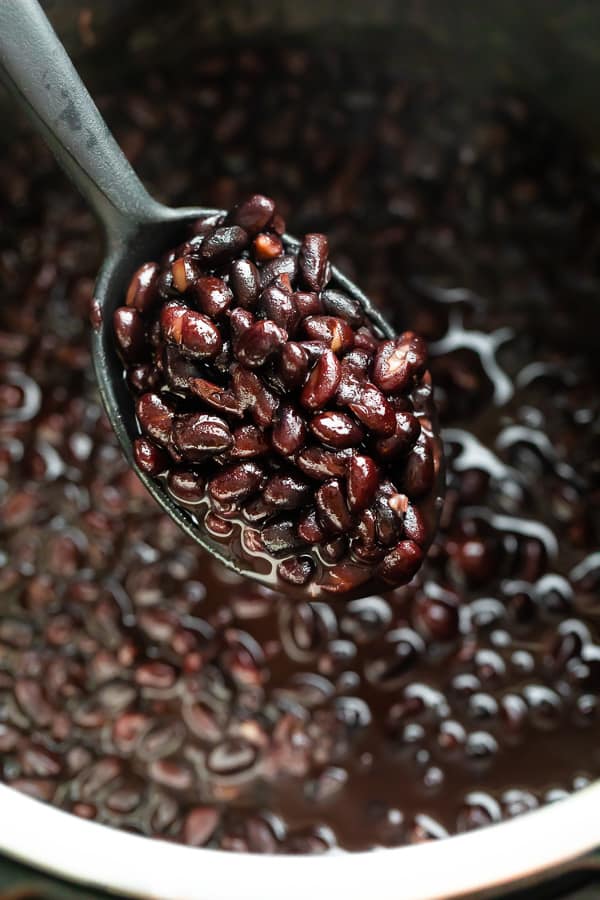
x: 547, y: 48
x: 520, y: 853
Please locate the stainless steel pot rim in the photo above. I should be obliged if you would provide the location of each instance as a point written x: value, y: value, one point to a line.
x: 547, y: 839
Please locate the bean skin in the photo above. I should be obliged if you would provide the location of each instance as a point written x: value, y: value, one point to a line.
x: 293, y: 365
x: 253, y: 395
x: 149, y: 457
x: 419, y: 473
x: 363, y: 481
x: 212, y: 295
x: 322, y: 382
x: 374, y: 411
x: 155, y: 417
x: 142, y: 292
x: 297, y: 571
x: 313, y: 256
x: 218, y: 398
x: 406, y: 432
x: 186, y: 486
x: 197, y: 434
x: 337, y: 430
x: 289, y: 432
x: 195, y: 333
x: 240, y: 321
x: 344, y: 578
x: 337, y: 303
x: 248, y: 442
x: 237, y: 482
x: 401, y: 564
x: 287, y: 491
x: 272, y: 271
x: 332, y: 507
x: 396, y: 362
x: 278, y: 305
x: 244, y: 280
x: 223, y: 244
x: 309, y: 528
x: 280, y: 536
x: 253, y: 214
x: 260, y: 342
x: 319, y: 463
x: 130, y: 334
x: 308, y: 304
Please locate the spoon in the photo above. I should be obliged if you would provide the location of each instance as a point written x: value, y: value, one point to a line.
x: 38, y: 71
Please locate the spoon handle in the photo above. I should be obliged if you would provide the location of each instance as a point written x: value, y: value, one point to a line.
x: 37, y: 69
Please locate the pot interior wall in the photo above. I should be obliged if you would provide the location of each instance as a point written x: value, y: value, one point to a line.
x: 550, y: 50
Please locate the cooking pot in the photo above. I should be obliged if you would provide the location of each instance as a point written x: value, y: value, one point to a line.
x: 551, y: 51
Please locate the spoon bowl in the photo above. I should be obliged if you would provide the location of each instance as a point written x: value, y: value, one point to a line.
x: 149, y: 242
x: 36, y: 68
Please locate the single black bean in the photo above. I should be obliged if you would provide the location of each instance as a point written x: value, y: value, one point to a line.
x: 289, y: 432
x: 293, y: 365
x: 142, y: 292
x: 223, y: 244
x: 402, y: 563
x: 252, y: 214
x: 322, y: 383
x: 260, y: 342
x: 332, y: 507
x: 397, y: 362
x: 336, y: 333
x: 130, y: 334
x: 337, y: 430
x: 149, y: 457
x: 278, y: 306
x: 312, y: 260
x: 212, y: 295
x: 236, y: 482
x: 221, y: 399
x: 343, y: 306
x: 280, y: 536
x: 287, y: 491
x: 245, y: 282
x: 155, y: 416
x: 363, y: 480
x: 197, y: 434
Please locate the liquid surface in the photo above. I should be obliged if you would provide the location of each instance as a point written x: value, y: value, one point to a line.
x: 144, y: 686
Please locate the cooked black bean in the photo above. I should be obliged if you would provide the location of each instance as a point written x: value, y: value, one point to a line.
x: 130, y: 334
x: 337, y: 303
x: 142, y: 292
x: 212, y: 295
x: 314, y: 252
x: 196, y: 434
x: 223, y: 244
x: 253, y: 214
x: 244, y: 280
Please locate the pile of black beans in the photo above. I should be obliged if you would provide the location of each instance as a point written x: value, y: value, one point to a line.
x: 275, y: 411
